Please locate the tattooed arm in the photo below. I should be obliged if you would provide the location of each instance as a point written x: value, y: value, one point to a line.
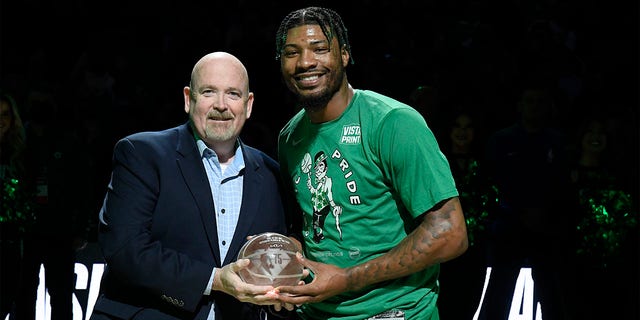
x: 441, y: 236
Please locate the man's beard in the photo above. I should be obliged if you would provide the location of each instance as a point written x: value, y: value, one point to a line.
x: 319, y: 101
x: 315, y: 102
x: 219, y: 133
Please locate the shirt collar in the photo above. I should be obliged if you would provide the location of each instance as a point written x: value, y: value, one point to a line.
x: 238, y: 160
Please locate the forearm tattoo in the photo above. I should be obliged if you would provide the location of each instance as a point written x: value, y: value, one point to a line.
x: 423, y: 247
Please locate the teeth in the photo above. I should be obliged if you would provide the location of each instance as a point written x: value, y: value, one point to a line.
x: 309, y: 78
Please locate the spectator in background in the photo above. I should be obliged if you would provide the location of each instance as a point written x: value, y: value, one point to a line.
x: 58, y: 168
x: 607, y: 222
x: 15, y: 201
x: 425, y: 99
x: 532, y: 226
x: 463, y: 278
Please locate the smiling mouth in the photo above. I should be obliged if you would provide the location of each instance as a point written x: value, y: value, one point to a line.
x: 308, y: 81
x: 309, y: 78
x: 219, y: 119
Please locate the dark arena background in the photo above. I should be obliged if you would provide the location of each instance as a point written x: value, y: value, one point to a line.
x: 110, y: 68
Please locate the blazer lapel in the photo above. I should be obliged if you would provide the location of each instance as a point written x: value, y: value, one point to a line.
x: 250, y: 208
x: 193, y: 172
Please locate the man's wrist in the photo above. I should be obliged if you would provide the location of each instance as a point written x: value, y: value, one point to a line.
x: 212, y: 282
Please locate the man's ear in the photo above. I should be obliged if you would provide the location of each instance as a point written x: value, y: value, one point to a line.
x: 346, y: 55
x: 186, y: 92
x: 249, y: 105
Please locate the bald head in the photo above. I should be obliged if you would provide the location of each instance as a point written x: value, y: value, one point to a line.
x: 217, y: 60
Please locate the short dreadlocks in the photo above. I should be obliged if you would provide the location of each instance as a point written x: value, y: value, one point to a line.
x: 329, y: 21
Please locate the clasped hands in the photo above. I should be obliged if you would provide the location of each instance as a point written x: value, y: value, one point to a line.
x: 228, y: 280
x: 328, y: 281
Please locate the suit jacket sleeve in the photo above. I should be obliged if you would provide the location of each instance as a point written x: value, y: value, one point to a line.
x: 151, y: 230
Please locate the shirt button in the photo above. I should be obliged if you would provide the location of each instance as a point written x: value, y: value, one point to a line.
x: 224, y: 243
x: 222, y: 211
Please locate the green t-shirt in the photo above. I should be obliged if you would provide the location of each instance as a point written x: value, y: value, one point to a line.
x: 361, y: 181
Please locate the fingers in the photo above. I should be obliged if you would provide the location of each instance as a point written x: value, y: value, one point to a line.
x: 228, y: 281
x: 308, y: 264
x: 293, y: 300
x: 240, y: 264
x: 300, y: 257
x: 278, y: 306
x: 260, y: 295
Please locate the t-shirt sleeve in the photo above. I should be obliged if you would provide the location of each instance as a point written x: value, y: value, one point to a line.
x: 413, y: 162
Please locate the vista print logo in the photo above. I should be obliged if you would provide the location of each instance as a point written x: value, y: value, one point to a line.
x: 351, y: 134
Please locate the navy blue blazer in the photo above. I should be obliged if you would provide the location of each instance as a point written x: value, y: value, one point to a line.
x: 158, y: 228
